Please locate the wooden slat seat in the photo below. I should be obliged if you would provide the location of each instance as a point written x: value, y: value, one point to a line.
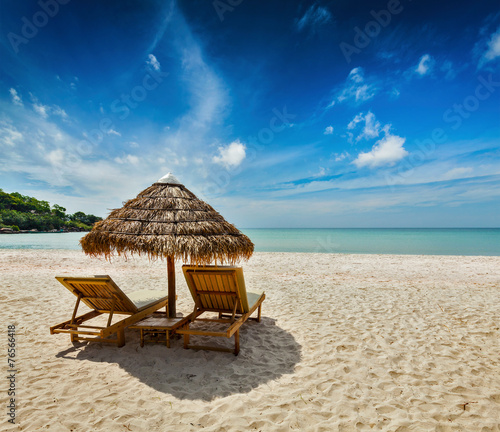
x: 103, y: 296
x: 219, y: 289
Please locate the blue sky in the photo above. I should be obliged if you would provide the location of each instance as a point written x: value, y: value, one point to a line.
x: 277, y: 113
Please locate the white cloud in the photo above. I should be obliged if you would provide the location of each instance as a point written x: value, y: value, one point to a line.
x: 83, y: 173
x: 55, y: 157
x: 457, y: 173
x: 16, y: 99
x: 321, y: 173
x: 493, y: 50
x: 328, y: 130
x: 9, y: 135
x: 386, y: 151
x: 355, y: 89
x: 57, y: 110
x: 315, y: 16
x: 41, y: 110
x: 340, y: 157
x: 207, y: 101
x: 153, y: 62
x: 113, y: 132
x: 371, y: 128
x: 130, y: 159
x: 44, y: 110
x: 232, y: 155
x: 425, y: 65
x: 37, y: 149
x: 133, y: 144
x: 353, y: 123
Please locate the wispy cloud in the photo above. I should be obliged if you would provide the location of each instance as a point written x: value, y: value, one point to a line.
x: 328, y: 202
x: 207, y: 101
x: 58, y: 111
x: 313, y: 18
x: 128, y: 159
x: 113, y: 132
x: 321, y: 173
x: 458, y: 173
x: 328, y: 130
x: 355, y: 89
x: 492, y: 49
x: 16, y: 99
x: 41, y: 110
x: 153, y: 62
x: 443, y: 169
x: 371, y: 127
x: 42, y: 151
x: 339, y: 157
x: 231, y: 155
x: 425, y: 65
x: 9, y: 135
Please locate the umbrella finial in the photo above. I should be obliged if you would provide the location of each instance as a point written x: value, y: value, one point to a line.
x: 169, y: 178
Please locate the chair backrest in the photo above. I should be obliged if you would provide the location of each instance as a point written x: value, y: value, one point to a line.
x: 217, y: 288
x: 100, y: 293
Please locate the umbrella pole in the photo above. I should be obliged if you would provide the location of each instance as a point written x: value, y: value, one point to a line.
x: 171, y: 287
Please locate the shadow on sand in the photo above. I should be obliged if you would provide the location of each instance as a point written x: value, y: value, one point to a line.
x: 267, y: 353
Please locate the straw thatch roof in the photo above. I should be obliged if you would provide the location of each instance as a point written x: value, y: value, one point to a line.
x: 166, y: 219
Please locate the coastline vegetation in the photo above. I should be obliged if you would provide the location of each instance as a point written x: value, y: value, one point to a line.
x: 24, y: 213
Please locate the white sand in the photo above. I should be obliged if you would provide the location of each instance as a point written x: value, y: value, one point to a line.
x: 347, y: 343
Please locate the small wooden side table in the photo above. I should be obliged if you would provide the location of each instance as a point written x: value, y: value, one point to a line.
x: 155, y: 325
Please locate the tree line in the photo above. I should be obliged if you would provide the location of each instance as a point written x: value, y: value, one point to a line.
x: 22, y: 212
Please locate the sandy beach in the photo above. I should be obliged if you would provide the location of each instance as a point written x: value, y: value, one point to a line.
x: 346, y: 343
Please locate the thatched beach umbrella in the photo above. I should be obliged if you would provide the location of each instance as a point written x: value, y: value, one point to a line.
x: 166, y: 220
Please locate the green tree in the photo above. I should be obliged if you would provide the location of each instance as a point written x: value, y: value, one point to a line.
x: 29, y: 213
x: 59, y: 212
x: 87, y: 219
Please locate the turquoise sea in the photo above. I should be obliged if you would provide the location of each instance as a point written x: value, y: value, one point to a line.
x: 421, y: 241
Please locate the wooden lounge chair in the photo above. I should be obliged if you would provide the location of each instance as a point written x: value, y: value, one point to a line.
x: 103, y: 296
x: 222, y: 290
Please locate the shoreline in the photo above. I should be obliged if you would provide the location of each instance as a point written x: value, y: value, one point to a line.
x: 306, y: 254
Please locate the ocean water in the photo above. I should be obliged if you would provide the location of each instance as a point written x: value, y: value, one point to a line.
x: 449, y: 241
x: 418, y: 241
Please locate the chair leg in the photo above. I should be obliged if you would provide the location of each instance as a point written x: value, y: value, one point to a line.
x: 236, y: 342
x: 120, y: 337
x: 186, y: 338
x: 258, y: 313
